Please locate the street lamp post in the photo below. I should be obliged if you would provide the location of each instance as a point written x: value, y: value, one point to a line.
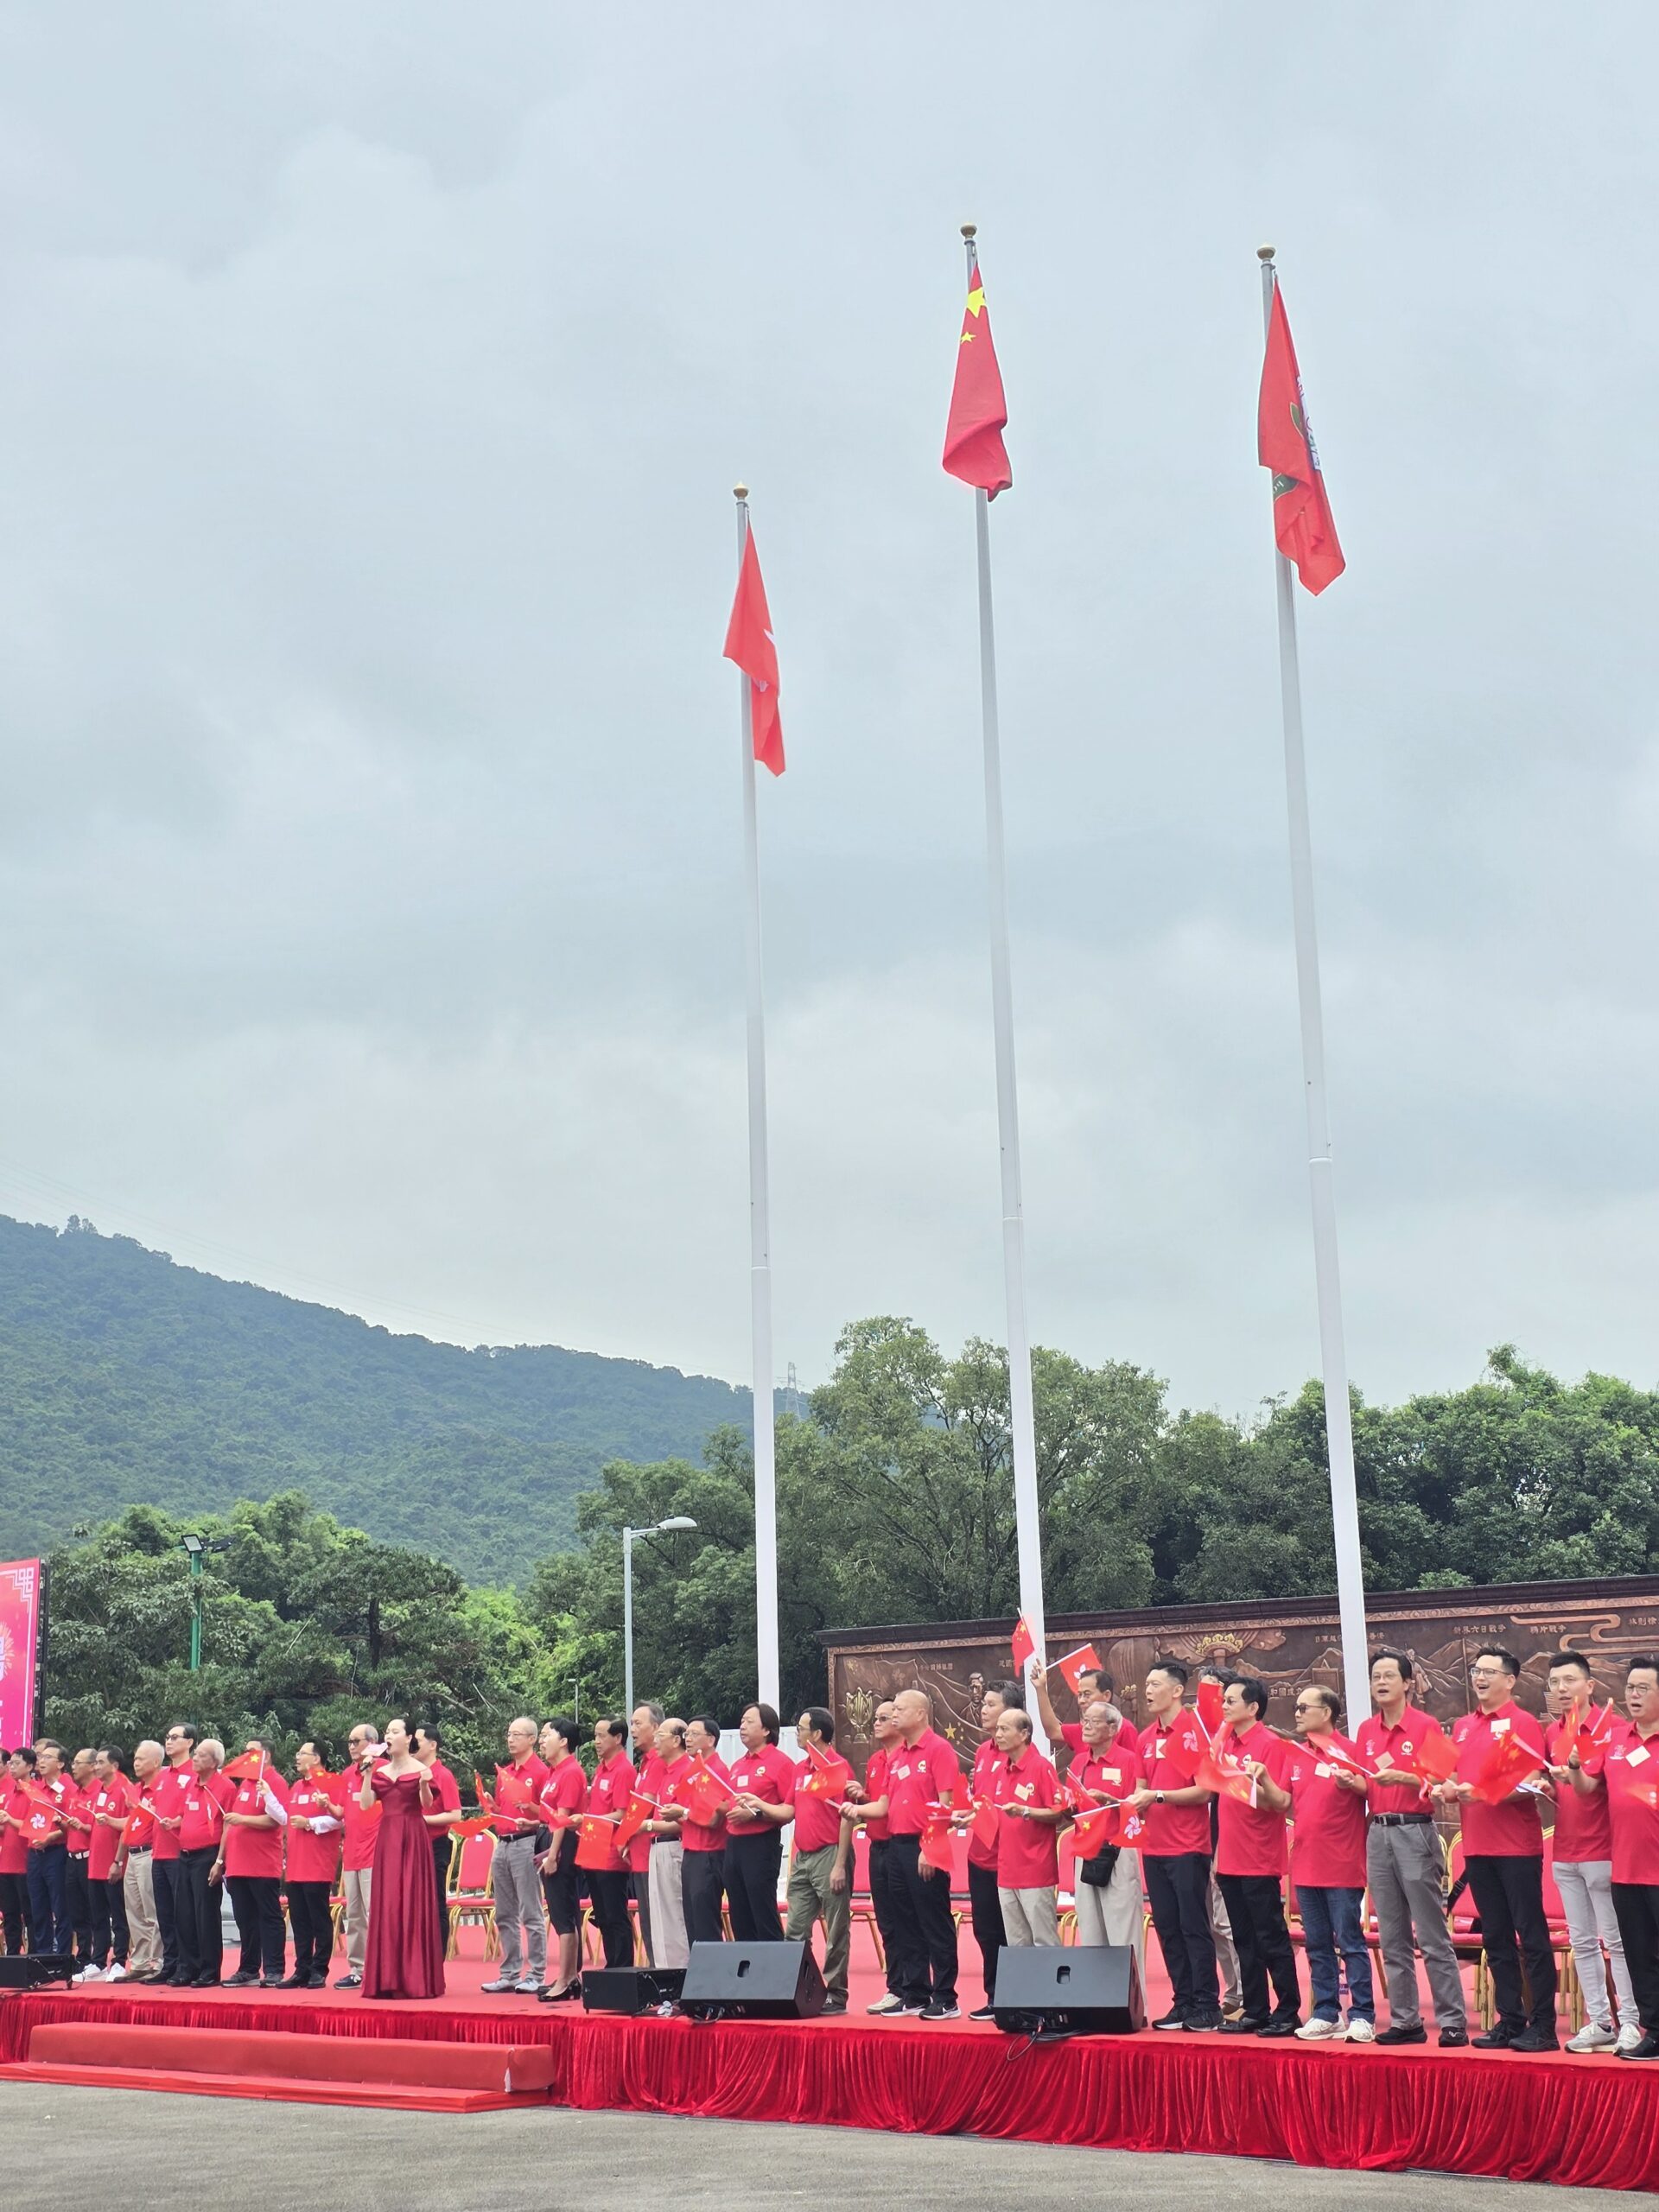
x: 195, y: 1545
x: 658, y: 1527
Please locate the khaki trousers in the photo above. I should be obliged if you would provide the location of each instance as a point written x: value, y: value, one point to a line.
x: 669, y: 1947
x: 355, y: 1887
x: 144, y: 1932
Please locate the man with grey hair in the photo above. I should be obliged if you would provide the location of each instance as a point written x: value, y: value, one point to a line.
x: 357, y: 1872
x: 1108, y: 1910
x: 520, y: 1914
x: 643, y: 1725
x: 136, y: 1868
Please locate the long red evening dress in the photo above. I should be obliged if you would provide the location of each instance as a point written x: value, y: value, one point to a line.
x: 404, y: 1957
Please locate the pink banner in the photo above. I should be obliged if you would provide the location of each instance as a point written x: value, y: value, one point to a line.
x: 20, y: 1625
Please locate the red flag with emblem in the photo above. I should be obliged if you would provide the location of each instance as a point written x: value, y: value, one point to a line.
x: 1216, y: 1770
x: 595, y: 1842
x: 1023, y: 1645
x: 641, y: 1809
x: 1072, y: 1669
x: 983, y: 1824
x: 973, y: 451
x: 749, y: 642
x: 481, y: 1790
x: 140, y: 1827
x: 1210, y: 1708
x: 936, y: 1839
x: 705, y: 1792
x: 249, y: 1767
x: 1302, y: 525
x: 1508, y: 1762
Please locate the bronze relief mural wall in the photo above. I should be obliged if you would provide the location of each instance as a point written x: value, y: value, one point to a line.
x: 1286, y: 1644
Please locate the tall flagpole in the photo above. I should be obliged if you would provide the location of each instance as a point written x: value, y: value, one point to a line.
x: 1333, y: 1361
x: 766, y: 1471
x: 1023, y: 1423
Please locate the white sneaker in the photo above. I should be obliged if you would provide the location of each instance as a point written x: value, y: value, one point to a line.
x: 1361, y: 2031
x: 1318, y: 2031
x: 116, y: 1973
x: 885, y: 2006
x: 1628, y: 2036
x: 89, y: 1973
x: 1594, y: 2034
x: 528, y: 1987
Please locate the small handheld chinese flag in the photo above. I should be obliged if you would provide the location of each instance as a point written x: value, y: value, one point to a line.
x: 1302, y: 525
x: 705, y: 1792
x: 1072, y: 1669
x: 481, y: 1790
x: 1210, y: 1708
x: 639, y: 1810
x: 249, y: 1767
x: 594, y: 1841
x: 1592, y: 1737
x: 973, y: 451
x: 822, y: 1774
x: 1095, y: 1830
x: 1218, y: 1772
x: 749, y: 642
x: 936, y: 1839
x: 1508, y: 1764
x: 513, y: 1795
x: 1023, y: 1645
x: 984, y: 1826
x: 1434, y: 1760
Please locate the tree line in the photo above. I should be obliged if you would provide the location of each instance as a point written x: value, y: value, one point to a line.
x: 894, y: 1504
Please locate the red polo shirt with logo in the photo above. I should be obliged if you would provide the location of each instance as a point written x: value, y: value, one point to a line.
x: 1584, y: 1830
x: 1027, y: 1852
x: 1328, y: 1822
x: 312, y: 1858
x: 1401, y: 1742
x: 818, y: 1824
x: 1250, y: 1839
x: 767, y: 1774
x: 613, y: 1786
x: 1169, y: 1755
x: 1513, y: 1829
x: 167, y: 1794
x: 875, y: 1785
x: 565, y: 1793
x: 114, y: 1797
x: 361, y: 1826
x: 650, y: 1783
x: 204, y: 1805
x: 530, y: 1774
x: 979, y: 1788
x: 925, y: 1772
x: 78, y: 1805
x: 695, y: 1835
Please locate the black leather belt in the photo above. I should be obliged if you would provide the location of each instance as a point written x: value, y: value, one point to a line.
x: 1402, y: 1820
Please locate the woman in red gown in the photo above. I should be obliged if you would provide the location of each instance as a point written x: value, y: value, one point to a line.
x: 404, y: 1957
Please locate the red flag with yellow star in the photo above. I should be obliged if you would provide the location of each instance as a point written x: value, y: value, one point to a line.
x: 1302, y: 513
x: 749, y: 643
x: 974, y: 450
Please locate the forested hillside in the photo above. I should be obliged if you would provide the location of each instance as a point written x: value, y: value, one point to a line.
x: 125, y: 1379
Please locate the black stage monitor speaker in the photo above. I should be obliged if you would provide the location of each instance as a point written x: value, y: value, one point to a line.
x: 630, y: 1989
x: 33, y: 1967
x: 752, y: 1981
x: 1091, y: 1989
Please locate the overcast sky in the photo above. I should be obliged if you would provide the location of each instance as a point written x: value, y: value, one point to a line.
x: 372, y: 382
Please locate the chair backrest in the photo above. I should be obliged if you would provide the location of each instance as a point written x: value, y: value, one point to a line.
x: 861, y: 1863
x: 472, y: 1865
x: 1463, y: 1913
x: 1554, y: 1910
x: 1069, y: 1861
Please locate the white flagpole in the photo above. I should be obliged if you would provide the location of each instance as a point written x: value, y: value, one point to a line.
x: 766, y: 1472
x: 1022, y: 1422
x: 1333, y: 1362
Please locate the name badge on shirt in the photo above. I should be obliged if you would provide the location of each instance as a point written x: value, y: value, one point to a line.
x: 1500, y: 1727
x: 1635, y: 1757
x: 1111, y: 1774
x: 902, y: 1773
x: 1324, y: 1767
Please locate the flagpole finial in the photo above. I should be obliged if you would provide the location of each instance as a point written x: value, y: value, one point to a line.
x: 740, y: 491
x: 970, y: 230
x: 1264, y: 254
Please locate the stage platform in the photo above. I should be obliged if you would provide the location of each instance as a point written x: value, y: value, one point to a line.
x: 1593, y: 2122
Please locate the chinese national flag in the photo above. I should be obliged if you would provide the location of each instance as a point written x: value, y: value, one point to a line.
x: 822, y: 1774
x: 1023, y: 1645
x: 1072, y: 1667
x: 1302, y: 513
x: 1436, y: 1759
x: 936, y: 1840
x: 1506, y: 1765
x: 705, y: 1793
x: 1218, y: 1773
x: 1208, y: 1709
x: 595, y: 1841
x: 640, y: 1810
x: 249, y: 1767
x: 1592, y: 1737
x: 1095, y: 1830
x: 984, y: 1823
x: 973, y: 451
x: 749, y: 643
x: 481, y: 1790
x: 513, y: 1795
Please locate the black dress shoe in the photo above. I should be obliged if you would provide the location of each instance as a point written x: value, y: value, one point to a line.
x: 1498, y: 2038
x: 205, y: 1981
x: 296, y: 1981
x: 314, y: 1981
x: 1536, y: 2039
x: 1451, y: 2038
x: 1416, y: 2033
x: 1243, y: 2025
x: 1281, y: 2027
x: 1648, y: 2048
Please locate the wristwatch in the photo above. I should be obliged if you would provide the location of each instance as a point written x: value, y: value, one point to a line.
x: 1157, y: 1796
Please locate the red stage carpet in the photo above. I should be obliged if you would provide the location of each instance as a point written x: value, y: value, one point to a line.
x: 1593, y: 2122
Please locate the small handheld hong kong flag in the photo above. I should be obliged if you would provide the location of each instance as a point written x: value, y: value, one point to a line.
x: 1023, y: 1645
x: 973, y: 451
x: 140, y: 1827
x: 595, y: 1842
x: 749, y: 642
x: 1071, y: 1669
x: 1302, y: 525
x: 1210, y: 1708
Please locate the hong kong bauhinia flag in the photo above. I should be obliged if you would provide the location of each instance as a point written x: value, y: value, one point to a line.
x: 1302, y: 513
x: 749, y: 643
x: 974, y: 450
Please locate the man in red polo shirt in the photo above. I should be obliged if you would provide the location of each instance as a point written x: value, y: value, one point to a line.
x: 1175, y: 1849
x: 703, y: 1864
x: 868, y: 1807
x: 363, y: 1747
x: 110, y: 1801
x: 818, y: 1876
x: 206, y: 1799
x: 1626, y: 1770
x: 1251, y: 1862
x: 643, y: 1725
x: 608, y: 1798
x: 1581, y: 1858
x: 1327, y: 1868
x: 1504, y: 1857
x: 77, y: 1838
x: 312, y: 1837
x: 922, y: 1770
x: 1103, y: 1773
x: 179, y: 1965
x: 250, y: 1860
x: 984, y: 1905
x: 515, y: 1878
x: 1026, y: 1790
x: 1092, y: 1682
x: 669, y: 1947
x: 1404, y: 1870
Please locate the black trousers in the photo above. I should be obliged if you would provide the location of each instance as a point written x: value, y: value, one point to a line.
x: 314, y: 1934
x: 109, y: 1921
x: 257, y: 1901
x: 987, y: 1908
x: 49, y: 1910
x: 441, y: 1885
x: 1637, y: 1904
x: 923, y: 1900
x: 1509, y: 1895
x: 201, y: 1936
x: 78, y: 1904
x: 167, y: 1880
x: 751, y: 1866
x: 1255, y: 1913
x: 609, y: 1894
x: 14, y: 1911
x: 895, y: 1935
x: 703, y: 1883
x: 1178, y: 1890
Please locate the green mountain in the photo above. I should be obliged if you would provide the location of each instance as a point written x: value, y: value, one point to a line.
x: 127, y: 1379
